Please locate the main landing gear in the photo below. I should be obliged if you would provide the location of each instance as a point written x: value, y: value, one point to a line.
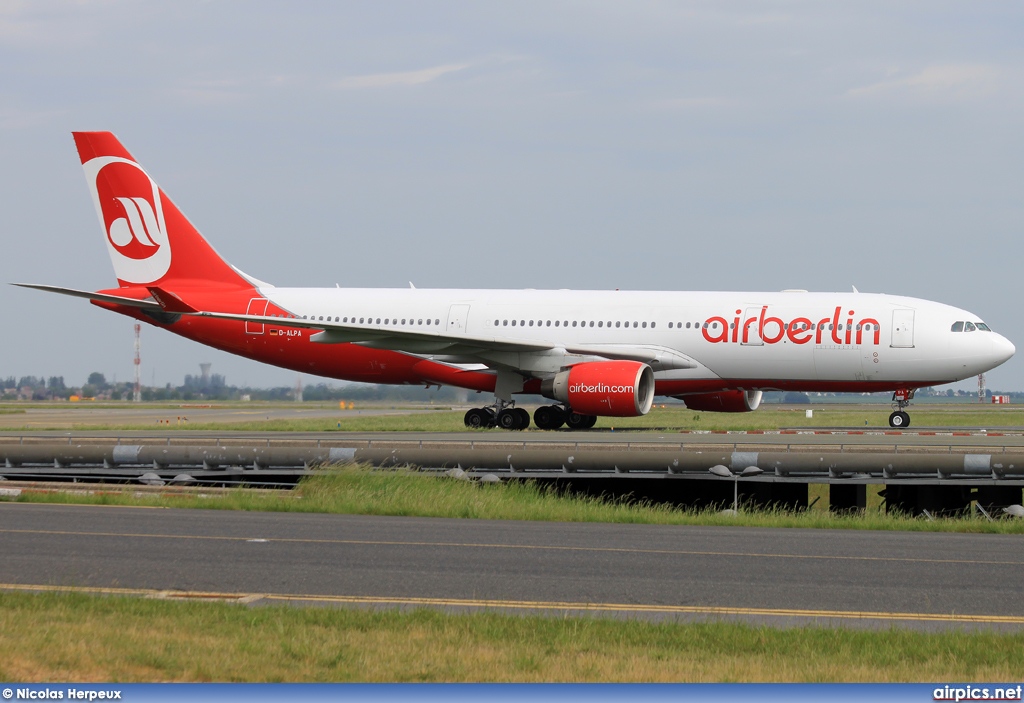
x: 551, y: 417
x: 507, y: 418
x: 900, y: 400
x: 546, y: 417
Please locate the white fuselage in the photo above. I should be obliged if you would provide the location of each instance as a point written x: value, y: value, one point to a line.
x: 857, y: 340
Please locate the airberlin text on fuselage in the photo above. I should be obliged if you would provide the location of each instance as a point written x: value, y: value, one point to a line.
x: 800, y: 330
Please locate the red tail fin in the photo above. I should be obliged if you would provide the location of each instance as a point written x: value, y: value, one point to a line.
x: 150, y: 242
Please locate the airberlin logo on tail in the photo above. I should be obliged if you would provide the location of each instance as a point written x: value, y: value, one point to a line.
x: 131, y: 234
x: 757, y: 327
x: 128, y: 203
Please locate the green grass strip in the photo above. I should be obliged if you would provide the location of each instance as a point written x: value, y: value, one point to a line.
x: 360, y: 491
x: 74, y: 637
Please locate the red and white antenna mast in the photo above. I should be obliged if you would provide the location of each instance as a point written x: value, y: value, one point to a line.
x: 137, y: 397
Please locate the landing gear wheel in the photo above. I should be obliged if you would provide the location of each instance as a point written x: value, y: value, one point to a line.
x: 524, y: 419
x: 577, y: 421
x: 899, y: 419
x: 477, y: 418
x: 548, y: 417
x: 510, y: 419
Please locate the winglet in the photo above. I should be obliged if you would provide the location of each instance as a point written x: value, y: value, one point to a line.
x: 170, y: 302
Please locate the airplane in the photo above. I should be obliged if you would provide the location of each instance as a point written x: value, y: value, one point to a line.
x: 593, y: 353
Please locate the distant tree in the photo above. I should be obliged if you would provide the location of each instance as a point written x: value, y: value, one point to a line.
x: 97, y: 379
x: 56, y: 384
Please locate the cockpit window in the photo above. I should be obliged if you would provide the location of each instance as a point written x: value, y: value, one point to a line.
x: 969, y: 327
x: 957, y: 326
x: 983, y: 327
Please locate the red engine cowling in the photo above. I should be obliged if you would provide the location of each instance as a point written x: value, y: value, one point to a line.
x: 724, y: 402
x: 608, y: 388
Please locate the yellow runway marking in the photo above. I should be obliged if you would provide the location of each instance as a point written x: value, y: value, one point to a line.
x: 519, y: 604
x: 537, y: 547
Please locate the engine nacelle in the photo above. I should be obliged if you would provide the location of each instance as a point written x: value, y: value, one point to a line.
x: 608, y: 388
x: 724, y: 402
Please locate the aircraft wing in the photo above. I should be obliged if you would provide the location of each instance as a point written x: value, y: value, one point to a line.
x: 381, y: 337
x: 445, y: 343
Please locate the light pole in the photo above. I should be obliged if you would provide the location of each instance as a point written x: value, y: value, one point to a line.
x: 725, y: 472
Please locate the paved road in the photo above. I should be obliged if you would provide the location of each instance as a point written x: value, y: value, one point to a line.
x: 760, y: 575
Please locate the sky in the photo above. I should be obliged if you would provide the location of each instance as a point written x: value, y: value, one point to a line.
x: 556, y: 144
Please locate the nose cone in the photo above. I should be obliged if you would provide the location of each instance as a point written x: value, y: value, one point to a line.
x: 1002, y: 349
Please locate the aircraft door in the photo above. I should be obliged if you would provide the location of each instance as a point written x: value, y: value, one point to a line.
x: 457, y: 318
x: 257, y: 306
x: 750, y: 335
x: 902, y: 329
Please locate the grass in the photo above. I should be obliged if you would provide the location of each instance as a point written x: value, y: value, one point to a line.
x: 361, y: 491
x: 74, y: 637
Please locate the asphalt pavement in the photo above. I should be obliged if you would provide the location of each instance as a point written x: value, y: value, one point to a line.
x: 764, y: 576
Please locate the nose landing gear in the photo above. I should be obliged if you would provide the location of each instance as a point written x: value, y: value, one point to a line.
x: 901, y: 399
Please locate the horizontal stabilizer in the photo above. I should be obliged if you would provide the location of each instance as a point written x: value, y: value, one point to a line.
x: 98, y: 297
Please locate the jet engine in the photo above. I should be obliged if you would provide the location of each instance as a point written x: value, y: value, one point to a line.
x: 609, y: 388
x: 724, y: 402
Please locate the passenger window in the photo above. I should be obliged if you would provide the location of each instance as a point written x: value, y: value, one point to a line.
x: 653, y: 324
x: 670, y: 325
x: 645, y: 325
x: 574, y: 323
x: 556, y: 323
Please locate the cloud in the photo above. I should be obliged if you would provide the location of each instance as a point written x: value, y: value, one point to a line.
x: 954, y: 81
x: 403, y: 78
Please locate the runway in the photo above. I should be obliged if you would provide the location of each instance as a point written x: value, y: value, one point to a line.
x: 761, y: 576
x: 71, y: 415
